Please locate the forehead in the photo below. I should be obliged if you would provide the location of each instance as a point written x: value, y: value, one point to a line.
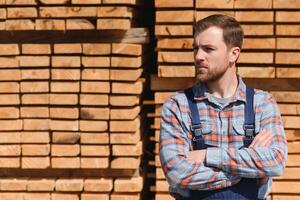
x: 210, y: 36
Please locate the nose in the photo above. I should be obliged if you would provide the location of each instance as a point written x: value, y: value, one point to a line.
x: 199, y: 54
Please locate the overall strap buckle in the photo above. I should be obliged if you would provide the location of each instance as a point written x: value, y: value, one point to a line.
x: 249, y: 130
x: 197, y: 129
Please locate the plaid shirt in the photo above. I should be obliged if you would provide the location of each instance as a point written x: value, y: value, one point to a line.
x: 226, y: 162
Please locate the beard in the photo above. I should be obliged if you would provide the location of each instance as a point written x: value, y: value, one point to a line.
x: 209, y: 74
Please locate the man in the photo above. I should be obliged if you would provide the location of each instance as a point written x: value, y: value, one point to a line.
x: 213, y: 160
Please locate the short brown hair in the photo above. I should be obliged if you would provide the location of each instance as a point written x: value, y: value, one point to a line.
x: 232, y: 31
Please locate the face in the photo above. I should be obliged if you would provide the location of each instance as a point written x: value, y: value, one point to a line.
x: 211, y: 55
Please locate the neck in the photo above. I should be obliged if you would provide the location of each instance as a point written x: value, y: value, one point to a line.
x: 224, y: 87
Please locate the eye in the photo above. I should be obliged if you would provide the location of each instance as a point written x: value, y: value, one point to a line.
x: 209, y: 49
x: 195, y: 48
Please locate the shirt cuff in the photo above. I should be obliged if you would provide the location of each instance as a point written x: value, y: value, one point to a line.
x: 213, y: 157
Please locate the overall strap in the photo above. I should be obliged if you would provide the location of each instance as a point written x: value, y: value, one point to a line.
x: 196, y: 128
x: 249, y: 125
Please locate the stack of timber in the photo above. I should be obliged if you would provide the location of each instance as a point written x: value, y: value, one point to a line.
x: 71, y: 85
x: 69, y: 14
x: 71, y: 110
x: 269, y: 61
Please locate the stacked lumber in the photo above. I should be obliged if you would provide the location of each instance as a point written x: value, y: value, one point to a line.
x: 69, y: 14
x: 67, y: 107
x: 71, y: 83
x: 269, y: 61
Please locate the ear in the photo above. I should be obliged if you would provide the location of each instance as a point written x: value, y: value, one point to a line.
x: 234, y: 54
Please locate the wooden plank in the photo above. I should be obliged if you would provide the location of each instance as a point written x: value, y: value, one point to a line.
x: 94, y: 113
x: 94, y: 162
x: 127, y: 150
x: 120, y: 196
x: 287, y: 30
x: 256, y: 58
x: 293, y: 160
x: 157, y: 123
x: 254, y: 16
x: 125, y: 163
x: 125, y: 75
x: 174, y: 4
x: 287, y: 4
x: 256, y: 72
x: 287, y: 58
x: 131, y: 62
x: 289, y: 187
x: 173, y: 30
x: 289, y: 109
x: 283, y: 72
x: 125, y: 138
x: 129, y: 2
x: 271, y: 84
x: 161, y: 97
x: 175, y: 57
x: 126, y: 49
x: 284, y: 197
x: 159, y: 173
x: 134, y: 184
x: 176, y: 71
x: 125, y: 113
x: 162, y: 186
x: 288, y: 43
x: 175, y: 43
x: 114, y: 11
x: 290, y: 173
x: 127, y: 88
x: 215, y: 4
x: 287, y: 87
x: 124, y: 100
x: 287, y: 97
x: 124, y: 125
x: 250, y: 4
x: 79, y: 24
x: 160, y: 84
x: 202, y: 14
x: 178, y: 16
x: 94, y: 138
x: 133, y: 35
x: 287, y: 16
x: 294, y: 147
x: 161, y: 196
x: 292, y: 135
x: 291, y: 122
x: 259, y: 43
x: 261, y: 30
x: 114, y: 24
x: 158, y: 110
x: 50, y: 24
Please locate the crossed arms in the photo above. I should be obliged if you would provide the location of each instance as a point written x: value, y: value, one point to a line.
x: 218, y: 167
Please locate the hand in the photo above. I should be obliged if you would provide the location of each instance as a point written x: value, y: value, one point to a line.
x: 197, y: 156
x: 263, y: 139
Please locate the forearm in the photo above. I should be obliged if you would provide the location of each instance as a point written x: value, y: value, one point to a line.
x: 184, y: 173
x: 257, y: 162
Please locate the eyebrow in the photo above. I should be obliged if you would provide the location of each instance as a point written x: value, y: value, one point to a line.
x: 204, y: 45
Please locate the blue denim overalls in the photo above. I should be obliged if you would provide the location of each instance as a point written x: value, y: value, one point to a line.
x: 247, y: 188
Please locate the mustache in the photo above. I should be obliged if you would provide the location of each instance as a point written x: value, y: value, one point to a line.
x: 201, y: 66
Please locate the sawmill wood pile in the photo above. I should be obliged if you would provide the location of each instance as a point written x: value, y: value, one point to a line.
x: 72, y: 80
x: 269, y: 61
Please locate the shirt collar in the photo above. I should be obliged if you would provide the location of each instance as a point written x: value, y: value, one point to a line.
x: 200, y: 92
